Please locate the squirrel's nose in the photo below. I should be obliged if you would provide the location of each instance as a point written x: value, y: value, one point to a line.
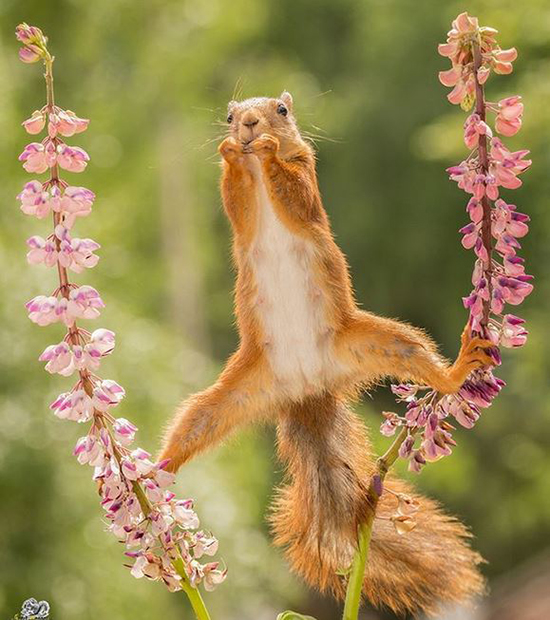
x: 250, y: 119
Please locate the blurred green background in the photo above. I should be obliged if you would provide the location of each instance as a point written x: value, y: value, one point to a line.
x: 154, y: 77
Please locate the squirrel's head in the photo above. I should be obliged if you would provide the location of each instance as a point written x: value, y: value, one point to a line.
x: 251, y: 118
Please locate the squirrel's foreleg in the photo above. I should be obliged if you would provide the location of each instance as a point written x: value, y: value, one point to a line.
x: 237, y: 189
x: 290, y: 183
x: 240, y: 395
x: 377, y: 347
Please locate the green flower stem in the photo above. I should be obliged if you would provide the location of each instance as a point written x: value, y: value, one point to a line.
x: 357, y: 575
x: 364, y: 534
x: 192, y: 593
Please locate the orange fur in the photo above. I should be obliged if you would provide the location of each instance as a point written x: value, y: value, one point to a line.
x: 315, y: 517
x: 304, y: 348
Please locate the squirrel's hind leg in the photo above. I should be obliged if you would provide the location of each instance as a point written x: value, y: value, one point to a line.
x: 375, y: 347
x: 241, y: 394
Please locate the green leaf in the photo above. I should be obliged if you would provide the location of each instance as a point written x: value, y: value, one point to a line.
x: 292, y: 615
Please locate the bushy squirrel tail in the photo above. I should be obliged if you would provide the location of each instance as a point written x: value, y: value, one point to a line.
x: 315, y: 517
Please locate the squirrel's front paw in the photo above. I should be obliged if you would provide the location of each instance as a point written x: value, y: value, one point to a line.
x: 230, y: 150
x: 264, y: 145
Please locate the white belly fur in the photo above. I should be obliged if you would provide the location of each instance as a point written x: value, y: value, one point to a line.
x: 289, y: 302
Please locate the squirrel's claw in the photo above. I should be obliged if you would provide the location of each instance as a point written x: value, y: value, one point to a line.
x: 473, y: 355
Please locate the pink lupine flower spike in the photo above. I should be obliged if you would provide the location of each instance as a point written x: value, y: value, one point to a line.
x: 499, y: 278
x: 160, y: 532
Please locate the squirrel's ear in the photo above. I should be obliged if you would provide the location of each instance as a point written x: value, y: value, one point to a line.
x: 286, y: 98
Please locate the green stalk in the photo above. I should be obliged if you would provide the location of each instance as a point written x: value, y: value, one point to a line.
x: 364, y: 534
x: 357, y: 575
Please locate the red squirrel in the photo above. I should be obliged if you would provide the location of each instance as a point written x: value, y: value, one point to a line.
x: 305, y: 350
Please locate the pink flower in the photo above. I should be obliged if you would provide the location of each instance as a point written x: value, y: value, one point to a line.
x: 60, y: 359
x: 160, y: 523
x: 185, y: 515
x: 464, y: 24
x: 84, y: 303
x: 506, y: 165
x: 448, y: 50
x: 29, y: 34
x: 107, y: 393
x: 464, y: 175
x: 35, y: 124
x: 483, y: 74
x: 41, y: 251
x: 507, y: 220
x: 129, y: 469
x: 124, y: 431
x: 513, y: 332
x: 103, y: 340
x: 86, y: 357
x: 42, y: 310
x: 76, y: 406
x: 30, y: 53
x: 416, y: 414
x: 405, y: 392
x: 34, y: 200
x: 406, y: 448
x: 391, y: 423
x: 491, y: 186
x: 152, y: 490
x: 172, y: 581
x: 508, y: 119
x: 37, y: 157
x: 146, y: 565
x: 450, y: 77
x: 466, y: 414
x: 76, y: 202
x: 213, y: 576
x: 437, y: 441
x: 473, y: 128
x: 471, y: 234
x: 513, y: 265
x: 67, y: 123
x: 143, y: 462
x: 89, y: 450
x: 475, y: 210
x: 474, y: 303
x: 510, y: 290
x: 416, y: 462
x: 72, y: 158
x: 75, y: 254
x: 481, y: 389
x: 464, y: 87
x: 508, y: 55
x: 502, y: 60
x: 163, y: 478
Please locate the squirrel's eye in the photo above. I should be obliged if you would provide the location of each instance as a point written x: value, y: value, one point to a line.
x: 281, y: 109
x: 230, y: 118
